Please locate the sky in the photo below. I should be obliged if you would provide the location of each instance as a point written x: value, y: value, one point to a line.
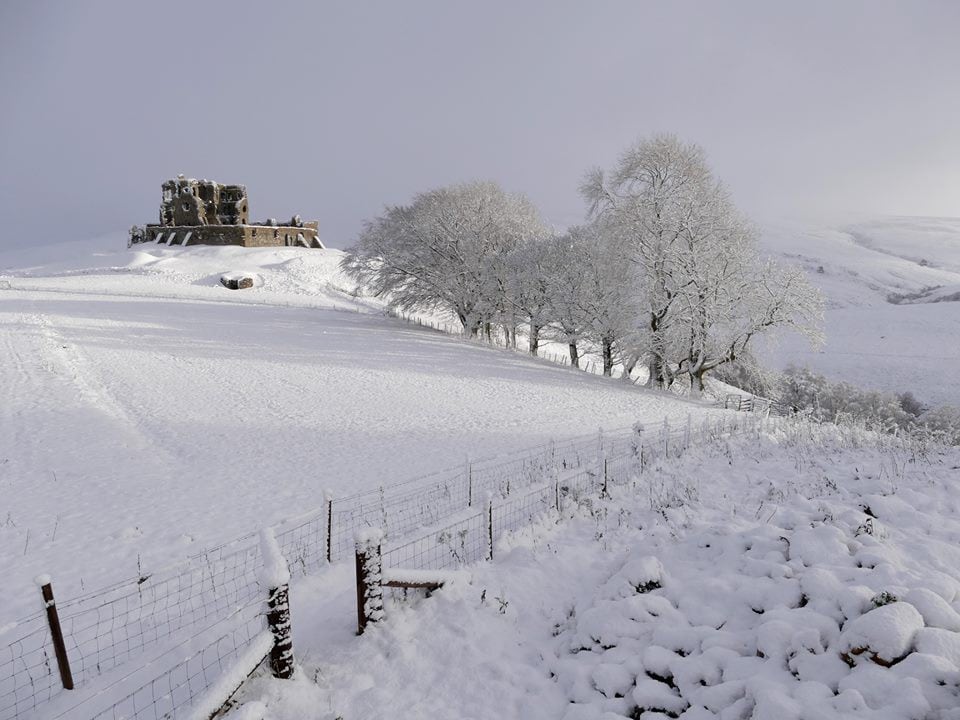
x: 334, y: 110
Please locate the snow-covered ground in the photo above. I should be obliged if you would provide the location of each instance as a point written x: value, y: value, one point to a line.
x: 892, y: 288
x: 785, y: 577
x: 150, y: 412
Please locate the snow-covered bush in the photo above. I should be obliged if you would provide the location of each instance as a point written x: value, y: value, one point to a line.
x: 844, y: 403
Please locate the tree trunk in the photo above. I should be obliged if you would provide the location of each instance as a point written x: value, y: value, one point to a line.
x: 658, y: 376
x: 534, y: 338
x: 574, y: 354
x: 697, y: 384
x: 629, y: 364
x: 607, y: 350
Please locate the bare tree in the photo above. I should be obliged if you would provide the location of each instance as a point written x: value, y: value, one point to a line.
x: 699, y: 285
x: 530, y: 266
x: 436, y: 253
x: 609, y: 291
x: 567, y: 289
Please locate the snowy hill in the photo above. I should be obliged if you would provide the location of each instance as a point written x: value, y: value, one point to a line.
x: 152, y: 412
x: 892, y: 286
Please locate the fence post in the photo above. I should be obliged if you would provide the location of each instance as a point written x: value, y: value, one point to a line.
x: 369, y: 577
x: 329, y: 499
x: 469, y: 482
x: 56, y: 633
x: 605, y: 494
x: 666, y: 438
x: 686, y: 438
x: 275, y: 575
x: 489, y: 503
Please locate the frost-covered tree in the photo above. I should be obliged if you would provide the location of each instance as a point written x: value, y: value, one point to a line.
x: 609, y: 291
x: 567, y: 289
x: 530, y: 265
x: 437, y: 252
x: 701, y: 291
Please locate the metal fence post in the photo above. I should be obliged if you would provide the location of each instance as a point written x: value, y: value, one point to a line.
x: 56, y: 633
x: 276, y: 576
x: 329, y: 499
x: 489, y: 528
x: 469, y: 483
x: 369, y: 577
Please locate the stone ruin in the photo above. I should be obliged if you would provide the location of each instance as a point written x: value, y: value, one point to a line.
x: 204, y: 212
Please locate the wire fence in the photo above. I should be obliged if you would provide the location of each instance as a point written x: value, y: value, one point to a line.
x: 193, y: 666
x: 126, y: 623
x: 572, y: 472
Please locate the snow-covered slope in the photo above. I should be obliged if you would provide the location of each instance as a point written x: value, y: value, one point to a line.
x: 148, y: 411
x: 780, y: 577
x: 892, y: 286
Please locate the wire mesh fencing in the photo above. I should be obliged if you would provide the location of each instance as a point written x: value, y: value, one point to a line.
x: 523, y: 490
x: 435, y: 522
x: 191, y: 669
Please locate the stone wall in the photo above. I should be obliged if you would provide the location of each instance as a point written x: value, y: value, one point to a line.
x: 242, y: 235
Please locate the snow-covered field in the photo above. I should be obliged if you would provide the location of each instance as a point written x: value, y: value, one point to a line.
x: 150, y: 412
x: 892, y: 288
x: 784, y: 577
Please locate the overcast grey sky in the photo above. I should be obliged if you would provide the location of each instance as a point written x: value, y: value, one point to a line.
x: 333, y: 110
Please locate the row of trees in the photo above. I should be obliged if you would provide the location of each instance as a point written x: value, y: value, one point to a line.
x: 664, y: 271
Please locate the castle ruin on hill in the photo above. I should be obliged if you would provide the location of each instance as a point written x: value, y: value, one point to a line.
x: 203, y: 212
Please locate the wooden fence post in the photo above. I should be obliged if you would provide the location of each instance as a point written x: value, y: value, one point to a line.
x: 56, y: 633
x: 605, y: 494
x: 369, y: 577
x: 276, y: 576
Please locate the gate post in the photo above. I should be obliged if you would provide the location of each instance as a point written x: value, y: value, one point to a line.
x: 369, y: 577
x: 275, y: 575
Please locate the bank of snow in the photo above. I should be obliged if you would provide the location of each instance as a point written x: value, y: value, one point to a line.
x: 776, y: 579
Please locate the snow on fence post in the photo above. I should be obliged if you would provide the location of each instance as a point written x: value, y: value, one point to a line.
x: 328, y: 497
x: 275, y: 576
x: 56, y: 633
x: 686, y: 436
x: 369, y: 577
x: 666, y: 438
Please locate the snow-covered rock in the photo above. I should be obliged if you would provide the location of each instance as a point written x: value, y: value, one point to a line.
x: 884, y: 634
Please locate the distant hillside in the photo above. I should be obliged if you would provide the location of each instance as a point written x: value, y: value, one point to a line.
x: 891, y: 285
